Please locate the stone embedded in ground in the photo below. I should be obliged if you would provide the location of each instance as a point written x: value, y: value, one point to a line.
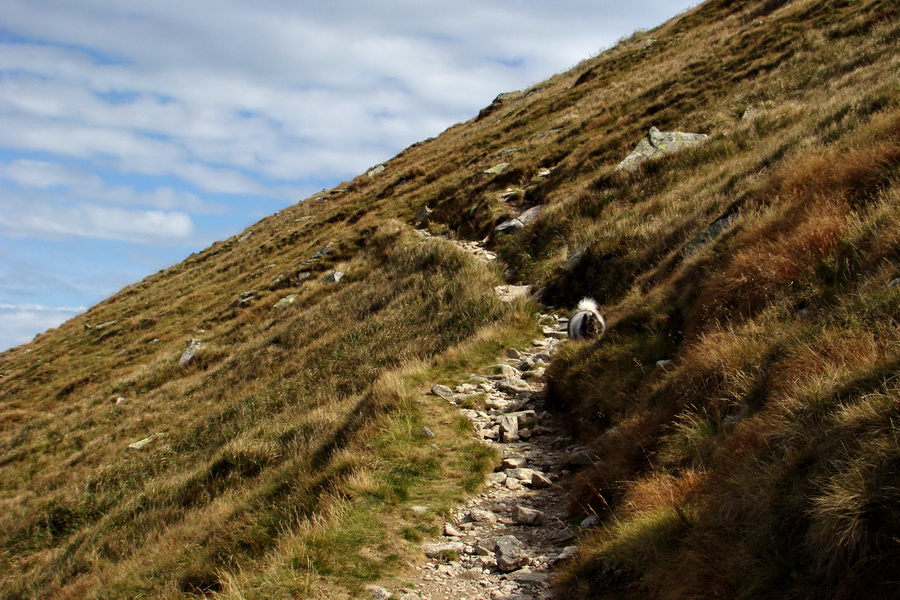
x: 508, y: 293
x: 590, y: 521
x: 525, y: 418
x: 378, y: 593
x: 664, y: 364
x: 513, y: 484
x: 496, y: 169
x: 530, y: 216
x: 477, y: 515
x: 443, y: 391
x: 426, y: 433
x: 377, y: 170
x: 513, y: 462
x: 515, y: 354
x: 521, y: 474
x: 419, y: 510
x: 451, y: 531
x: 142, y: 444
x: 522, y: 515
x: 540, y: 481
x: 443, y: 549
x: 504, y: 371
x: 894, y: 283
x: 509, y: 428
x: 509, y: 226
x: 658, y: 142
x: 709, y: 234
x: 423, y: 214
x: 530, y: 578
x: 188, y: 356
x: 510, y: 553
x: 513, y: 385
x: 286, y: 301
x: 320, y: 253
x: 333, y: 277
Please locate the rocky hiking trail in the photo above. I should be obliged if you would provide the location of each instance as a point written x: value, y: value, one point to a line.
x: 502, y: 544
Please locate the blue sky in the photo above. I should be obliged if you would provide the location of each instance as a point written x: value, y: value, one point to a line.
x: 134, y: 133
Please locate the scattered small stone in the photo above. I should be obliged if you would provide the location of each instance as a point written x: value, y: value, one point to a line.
x: 377, y: 170
x: 530, y: 216
x: 510, y: 553
x: 509, y: 226
x: 730, y: 422
x: 508, y: 293
x: 423, y: 215
x: 513, y: 484
x: 537, y: 579
x: 451, y: 531
x: 141, y: 444
x: 496, y: 169
x: 443, y: 391
x: 187, y: 357
x: 590, y: 521
x: 120, y: 400
x: 426, y: 433
x: 522, y: 515
x: 664, y: 364
x: 513, y: 463
x: 521, y: 474
x: 567, y: 553
x: 481, y: 516
x: 515, y: 354
x: 513, y: 385
x: 509, y: 428
x: 441, y: 549
x: 378, y: 593
x: 286, y: 301
x: 894, y: 283
x: 333, y: 277
x: 540, y: 481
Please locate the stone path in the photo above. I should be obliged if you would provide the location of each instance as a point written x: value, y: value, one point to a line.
x: 502, y: 544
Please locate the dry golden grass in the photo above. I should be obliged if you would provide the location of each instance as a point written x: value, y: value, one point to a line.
x: 762, y: 463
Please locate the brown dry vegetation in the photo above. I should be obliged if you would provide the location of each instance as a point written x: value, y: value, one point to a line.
x: 763, y: 463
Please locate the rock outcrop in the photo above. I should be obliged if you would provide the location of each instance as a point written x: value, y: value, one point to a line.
x: 656, y: 143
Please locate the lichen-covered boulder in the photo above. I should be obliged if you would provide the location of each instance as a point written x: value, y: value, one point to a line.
x: 658, y: 142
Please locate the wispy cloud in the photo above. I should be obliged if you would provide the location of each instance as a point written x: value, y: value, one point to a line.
x: 20, y: 323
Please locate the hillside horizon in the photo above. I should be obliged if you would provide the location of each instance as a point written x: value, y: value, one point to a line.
x: 304, y: 409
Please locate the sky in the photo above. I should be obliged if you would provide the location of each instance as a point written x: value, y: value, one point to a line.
x: 133, y: 133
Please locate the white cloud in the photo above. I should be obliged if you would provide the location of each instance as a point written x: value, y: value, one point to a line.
x: 19, y: 323
x: 21, y: 218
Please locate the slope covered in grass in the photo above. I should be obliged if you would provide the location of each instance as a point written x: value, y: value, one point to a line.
x: 761, y: 462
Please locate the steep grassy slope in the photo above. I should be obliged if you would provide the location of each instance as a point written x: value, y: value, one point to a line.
x: 761, y: 462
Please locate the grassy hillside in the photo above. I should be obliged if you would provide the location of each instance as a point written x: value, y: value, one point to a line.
x: 762, y: 461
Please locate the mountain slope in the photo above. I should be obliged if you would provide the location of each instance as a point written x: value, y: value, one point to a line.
x: 761, y: 461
